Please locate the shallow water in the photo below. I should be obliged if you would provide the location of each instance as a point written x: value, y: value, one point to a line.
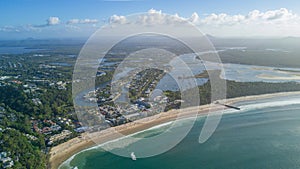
x: 262, y: 135
x: 234, y: 72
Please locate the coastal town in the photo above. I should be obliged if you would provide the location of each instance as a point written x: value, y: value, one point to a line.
x: 50, y: 118
x: 149, y: 84
x: 136, y: 94
x: 37, y: 109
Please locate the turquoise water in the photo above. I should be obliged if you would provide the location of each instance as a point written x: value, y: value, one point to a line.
x: 258, y: 137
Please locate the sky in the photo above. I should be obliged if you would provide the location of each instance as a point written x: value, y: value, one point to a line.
x: 21, y: 19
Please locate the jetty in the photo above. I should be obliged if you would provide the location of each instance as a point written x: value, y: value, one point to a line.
x: 229, y: 106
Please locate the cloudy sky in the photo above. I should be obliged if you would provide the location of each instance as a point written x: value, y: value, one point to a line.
x: 80, y: 18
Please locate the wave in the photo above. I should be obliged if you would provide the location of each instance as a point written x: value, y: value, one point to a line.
x: 292, y: 101
x: 274, y: 102
x: 248, y: 106
x: 67, y: 162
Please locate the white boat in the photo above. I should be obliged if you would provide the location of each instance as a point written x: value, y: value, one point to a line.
x: 133, y: 157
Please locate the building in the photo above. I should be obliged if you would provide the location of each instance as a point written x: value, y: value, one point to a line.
x: 64, y: 134
x: 5, y: 160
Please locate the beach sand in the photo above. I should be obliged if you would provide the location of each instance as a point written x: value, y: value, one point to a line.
x: 64, y: 151
x: 273, y: 77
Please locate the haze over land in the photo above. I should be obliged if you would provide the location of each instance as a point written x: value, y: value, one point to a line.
x: 74, y: 74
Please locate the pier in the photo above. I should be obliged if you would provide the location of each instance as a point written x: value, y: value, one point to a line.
x: 229, y: 106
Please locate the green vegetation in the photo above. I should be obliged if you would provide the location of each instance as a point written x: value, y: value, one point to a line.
x: 144, y: 82
x: 26, y: 155
x: 35, y: 88
x: 261, y: 57
x: 36, y: 92
x: 15, y: 98
x: 236, y: 89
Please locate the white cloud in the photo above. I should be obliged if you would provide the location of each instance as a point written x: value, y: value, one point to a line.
x: 20, y: 29
x: 115, y: 19
x: 253, y: 17
x: 82, y: 21
x: 279, y: 22
x: 9, y: 29
x: 282, y: 13
x: 54, y: 27
x: 53, y: 21
x: 222, y: 19
x: 194, y: 18
x: 153, y: 17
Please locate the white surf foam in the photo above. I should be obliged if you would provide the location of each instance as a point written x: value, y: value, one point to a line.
x: 274, y: 102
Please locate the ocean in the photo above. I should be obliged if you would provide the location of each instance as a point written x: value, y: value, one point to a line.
x: 263, y: 134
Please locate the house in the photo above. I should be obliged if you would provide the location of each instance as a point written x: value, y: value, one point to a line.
x: 37, y: 101
x: 3, y: 155
x: 5, y: 160
x: 46, y: 130
x: 2, y: 112
x: 81, y: 129
x: 55, y: 127
x: 16, y: 81
x: 61, y: 85
x: 62, y: 88
x: 8, y: 164
x: 64, y: 134
x: 4, y: 77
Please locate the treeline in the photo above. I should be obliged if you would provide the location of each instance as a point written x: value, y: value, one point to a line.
x: 237, y: 89
x: 55, y: 103
x: 104, y: 79
x: 24, y: 154
x: 19, y: 109
x: 16, y: 99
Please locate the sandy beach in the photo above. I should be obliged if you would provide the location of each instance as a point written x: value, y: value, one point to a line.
x: 64, y: 151
x: 272, y: 77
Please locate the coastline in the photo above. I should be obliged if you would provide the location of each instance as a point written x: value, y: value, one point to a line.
x: 271, y: 77
x: 64, y: 151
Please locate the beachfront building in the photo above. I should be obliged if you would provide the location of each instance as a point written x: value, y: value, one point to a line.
x: 57, y: 137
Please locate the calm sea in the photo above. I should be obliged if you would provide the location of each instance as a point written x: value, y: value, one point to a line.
x: 262, y: 135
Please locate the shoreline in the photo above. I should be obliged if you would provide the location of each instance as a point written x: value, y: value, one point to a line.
x: 271, y: 77
x: 64, y: 151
